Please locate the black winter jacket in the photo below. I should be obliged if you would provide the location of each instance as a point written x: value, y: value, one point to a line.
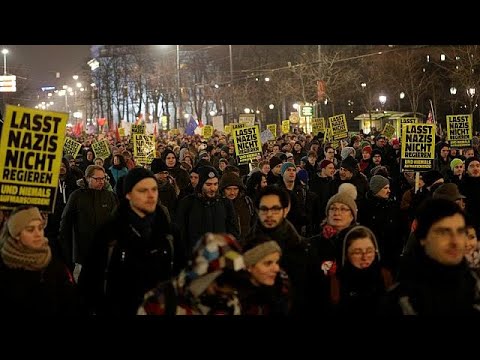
x: 130, y: 256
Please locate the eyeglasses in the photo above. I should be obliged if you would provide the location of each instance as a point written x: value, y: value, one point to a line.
x: 98, y: 179
x: 274, y: 209
x: 359, y: 252
x: 343, y: 210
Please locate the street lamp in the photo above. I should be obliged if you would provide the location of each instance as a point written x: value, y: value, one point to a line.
x: 453, y: 91
x: 4, y: 52
x: 383, y: 100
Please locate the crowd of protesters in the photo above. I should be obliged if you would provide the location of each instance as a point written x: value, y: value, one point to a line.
x: 304, y: 229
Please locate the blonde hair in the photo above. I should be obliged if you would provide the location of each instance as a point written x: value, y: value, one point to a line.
x: 90, y: 170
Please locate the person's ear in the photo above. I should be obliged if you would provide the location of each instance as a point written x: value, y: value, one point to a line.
x: 286, y: 211
x: 127, y: 196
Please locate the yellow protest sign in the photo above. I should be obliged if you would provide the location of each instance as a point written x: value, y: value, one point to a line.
x: 406, y: 120
x: 71, y: 147
x: 318, y: 125
x: 459, y: 130
x: 273, y: 129
x: 388, y: 130
x: 138, y: 129
x: 247, y: 143
x: 338, y: 124
x: 247, y: 119
x: 143, y: 148
x: 101, y: 149
x: 238, y: 126
x: 228, y: 129
x: 418, y: 147
x: 32, y: 145
x: 285, y: 126
x: 121, y: 132
x: 207, y: 131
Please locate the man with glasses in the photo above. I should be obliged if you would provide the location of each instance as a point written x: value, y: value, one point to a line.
x: 273, y: 205
x: 329, y: 153
x: 86, y: 210
x: 435, y: 278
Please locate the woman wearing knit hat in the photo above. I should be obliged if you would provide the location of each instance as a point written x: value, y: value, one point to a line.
x: 326, y: 250
x: 380, y: 213
x: 32, y: 281
x: 360, y: 283
x: 456, y: 172
x: 263, y: 287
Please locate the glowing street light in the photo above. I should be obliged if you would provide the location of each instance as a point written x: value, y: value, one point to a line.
x: 5, y: 52
x: 382, y: 99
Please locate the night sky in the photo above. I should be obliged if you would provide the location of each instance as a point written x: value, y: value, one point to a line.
x: 39, y: 63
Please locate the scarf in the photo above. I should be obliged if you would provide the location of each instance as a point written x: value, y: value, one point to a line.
x: 15, y: 255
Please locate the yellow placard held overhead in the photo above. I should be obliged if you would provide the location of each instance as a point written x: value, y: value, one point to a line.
x: 121, y: 132
x: 388, y: 130
x: 285, y: 126
x: 207, y: 131
x: 31, y: 152
x: 247, y: 143
x: 418, y: 147
x: 101, y: 149
x: 228, y: 129
x: 143, y: 148
x: 247, y: 119
x: 338, y: 124
x: 138, y: 129
x: 71, y: 147
x: 318, y: 125
x: 459, y: 130
x: 273, y: 129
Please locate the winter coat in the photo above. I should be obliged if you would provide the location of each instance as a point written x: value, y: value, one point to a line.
x: 50, y: 292
x: 52, y: 231
x: 382, y: 216
x: 197, y: 215
x: 325, y: 256
x: 427, y: 287
x: 130, y: 256
x: 85, y: 212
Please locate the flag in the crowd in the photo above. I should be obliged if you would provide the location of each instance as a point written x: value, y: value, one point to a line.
x: 77, y: 129
x: 117, y: 133
x: 191, y: 126
x: 430, y: 117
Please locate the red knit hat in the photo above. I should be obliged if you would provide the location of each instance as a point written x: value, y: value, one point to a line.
x: 324, y: 163
x: 367, y: 148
